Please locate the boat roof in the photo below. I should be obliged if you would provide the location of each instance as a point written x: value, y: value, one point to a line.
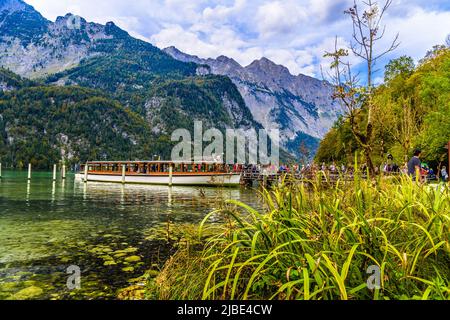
x: 154, y: 162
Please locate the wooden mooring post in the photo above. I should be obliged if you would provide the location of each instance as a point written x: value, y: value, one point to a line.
x: 54, y: 172
x: 86, y: 173
x: 170, y: 176
x: 124, y: 168
x: 29, y: 171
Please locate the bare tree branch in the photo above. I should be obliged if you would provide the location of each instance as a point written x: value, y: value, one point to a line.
x: 367, y: 31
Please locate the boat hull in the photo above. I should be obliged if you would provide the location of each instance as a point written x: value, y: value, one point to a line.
x: 176, y: 180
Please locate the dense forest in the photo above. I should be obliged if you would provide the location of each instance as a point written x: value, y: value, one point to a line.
x: 412, y: 109
x: 44, y: 125
x: 215, y: 99
x: 11, y: 81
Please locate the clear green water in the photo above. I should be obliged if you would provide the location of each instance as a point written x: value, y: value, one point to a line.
x: 114, y: 233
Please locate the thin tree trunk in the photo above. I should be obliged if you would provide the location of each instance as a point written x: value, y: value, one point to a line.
x: 368, y: 147
x: 368, y: 157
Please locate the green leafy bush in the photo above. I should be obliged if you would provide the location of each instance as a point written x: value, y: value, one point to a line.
x: 317, y: 242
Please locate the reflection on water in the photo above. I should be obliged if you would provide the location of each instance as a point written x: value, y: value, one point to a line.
x: 47, y: 226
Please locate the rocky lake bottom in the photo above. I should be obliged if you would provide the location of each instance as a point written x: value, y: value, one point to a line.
x: 112, y: 233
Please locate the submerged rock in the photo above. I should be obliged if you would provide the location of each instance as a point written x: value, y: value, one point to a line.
x: 8, y: 287
x: 28, y: 293
x: 107, y: 258
x: 130, y: 250
x: 133, y: 259
x: 135, y: 292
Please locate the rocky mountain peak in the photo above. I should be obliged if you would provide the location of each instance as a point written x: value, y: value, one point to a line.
x: 69, y: 16
x: 227, y: 60
x: 177, y: 54
x: 20, y: 20
x: 267, y: 66
x: 70, y: 21
x: 12, y: 5
x: 112, y: 29
x: 173, y: 50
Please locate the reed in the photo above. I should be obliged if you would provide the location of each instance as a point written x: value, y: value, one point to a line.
x: 317, y: 242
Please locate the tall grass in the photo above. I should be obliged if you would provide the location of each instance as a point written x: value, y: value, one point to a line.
x: 317, y: 241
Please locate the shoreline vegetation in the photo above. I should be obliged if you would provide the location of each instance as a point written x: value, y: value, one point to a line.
x: 315, y: 241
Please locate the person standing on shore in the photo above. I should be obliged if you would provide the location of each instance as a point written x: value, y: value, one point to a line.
x: 444, y: 174
x: 414, y: 165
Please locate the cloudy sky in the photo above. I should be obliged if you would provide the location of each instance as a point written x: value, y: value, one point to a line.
x: 295, y: 33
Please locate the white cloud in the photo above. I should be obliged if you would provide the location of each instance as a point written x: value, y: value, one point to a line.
x: 325, y: 11
x: 419, y: 31
x: 275, y: 18
x: 175, y: 35
x: 221, y: 13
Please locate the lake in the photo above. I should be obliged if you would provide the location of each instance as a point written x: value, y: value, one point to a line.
x: 113, y: 233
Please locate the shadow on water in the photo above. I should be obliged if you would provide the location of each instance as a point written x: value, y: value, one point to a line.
x: 112, y: 232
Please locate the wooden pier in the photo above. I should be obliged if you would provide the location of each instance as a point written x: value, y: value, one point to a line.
x: 251, y: 178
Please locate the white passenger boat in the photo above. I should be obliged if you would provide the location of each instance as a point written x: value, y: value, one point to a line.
x: 161, y: 173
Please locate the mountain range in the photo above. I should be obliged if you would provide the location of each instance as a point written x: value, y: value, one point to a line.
x: 164, y: 89
x: 277, y: 99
